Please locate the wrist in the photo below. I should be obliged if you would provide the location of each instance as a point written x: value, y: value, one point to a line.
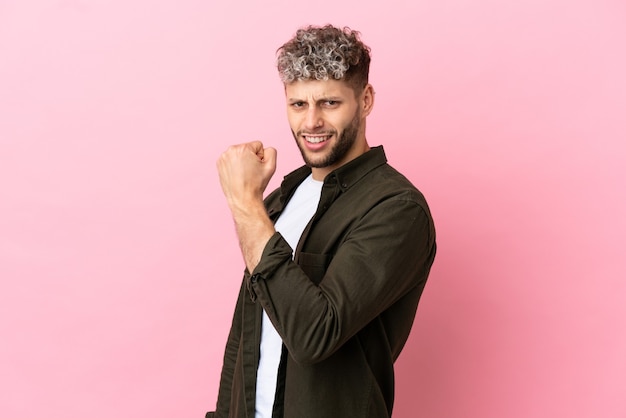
x: 244, y: 209
x: 254, y: 229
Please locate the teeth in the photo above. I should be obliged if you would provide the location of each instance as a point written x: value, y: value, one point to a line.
x: 316, y: 139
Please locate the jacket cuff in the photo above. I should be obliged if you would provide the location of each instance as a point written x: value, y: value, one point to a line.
x: 275, y: 253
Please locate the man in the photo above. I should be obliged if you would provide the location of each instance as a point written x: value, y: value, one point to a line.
x: 336, y: 258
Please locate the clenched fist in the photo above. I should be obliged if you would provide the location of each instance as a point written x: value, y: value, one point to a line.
x: 245, y: 170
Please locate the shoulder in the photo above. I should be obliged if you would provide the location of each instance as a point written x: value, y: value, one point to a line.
x: 385, y: 182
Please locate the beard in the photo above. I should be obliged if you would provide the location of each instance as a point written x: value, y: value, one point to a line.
x: 344, y: 143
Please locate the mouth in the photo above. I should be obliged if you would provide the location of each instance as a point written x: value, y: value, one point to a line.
x: 316, y: 139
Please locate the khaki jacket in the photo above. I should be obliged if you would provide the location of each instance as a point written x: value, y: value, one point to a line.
x: 343, y: 304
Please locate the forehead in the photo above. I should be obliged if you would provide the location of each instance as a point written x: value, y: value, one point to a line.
x: 317, y: 89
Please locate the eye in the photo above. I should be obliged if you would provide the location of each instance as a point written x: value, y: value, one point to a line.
x: 331, y: 103
x: 297, y: 105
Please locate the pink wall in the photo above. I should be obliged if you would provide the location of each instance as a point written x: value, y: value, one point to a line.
x: 118, y: 262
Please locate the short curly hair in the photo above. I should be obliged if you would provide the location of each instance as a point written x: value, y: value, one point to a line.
x: 323, y: 53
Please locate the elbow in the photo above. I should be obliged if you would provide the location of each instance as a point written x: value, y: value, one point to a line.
x: 304, y: 356
x: 312, y: 344
x: 311, y: 349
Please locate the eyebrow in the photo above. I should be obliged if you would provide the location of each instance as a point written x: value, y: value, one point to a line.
x: 321, y: 99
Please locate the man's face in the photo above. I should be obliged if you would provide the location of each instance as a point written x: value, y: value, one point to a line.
x: 327, y: 123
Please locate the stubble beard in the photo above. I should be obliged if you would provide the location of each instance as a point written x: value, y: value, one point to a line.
x: 344, y: 144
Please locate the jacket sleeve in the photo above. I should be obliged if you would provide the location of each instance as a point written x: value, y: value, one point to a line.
x: 387, y: 254
x: 230, y: 358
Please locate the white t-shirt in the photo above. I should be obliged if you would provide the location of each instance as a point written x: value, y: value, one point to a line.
x: 290, y: 224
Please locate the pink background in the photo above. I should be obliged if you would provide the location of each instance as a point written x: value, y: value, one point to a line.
x: 118, y: 262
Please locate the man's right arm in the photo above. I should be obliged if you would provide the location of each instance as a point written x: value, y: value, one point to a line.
x: 244, y: 172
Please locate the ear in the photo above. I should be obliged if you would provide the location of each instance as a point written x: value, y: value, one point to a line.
x: 367, y: 100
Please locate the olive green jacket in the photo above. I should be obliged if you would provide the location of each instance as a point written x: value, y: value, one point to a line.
x: 343, y: 304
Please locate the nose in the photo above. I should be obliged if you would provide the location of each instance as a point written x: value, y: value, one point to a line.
x: 313, y: 119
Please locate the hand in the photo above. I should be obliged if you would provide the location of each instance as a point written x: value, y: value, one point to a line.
x: 245, y: 170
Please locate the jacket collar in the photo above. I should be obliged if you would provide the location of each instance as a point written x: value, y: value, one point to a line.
x: 344, y: 176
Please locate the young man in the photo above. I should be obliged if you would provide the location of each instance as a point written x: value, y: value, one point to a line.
x: 336, y: 258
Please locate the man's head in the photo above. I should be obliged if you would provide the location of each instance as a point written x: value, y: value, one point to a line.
x: 325, y: 73
x: 325, y: 53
